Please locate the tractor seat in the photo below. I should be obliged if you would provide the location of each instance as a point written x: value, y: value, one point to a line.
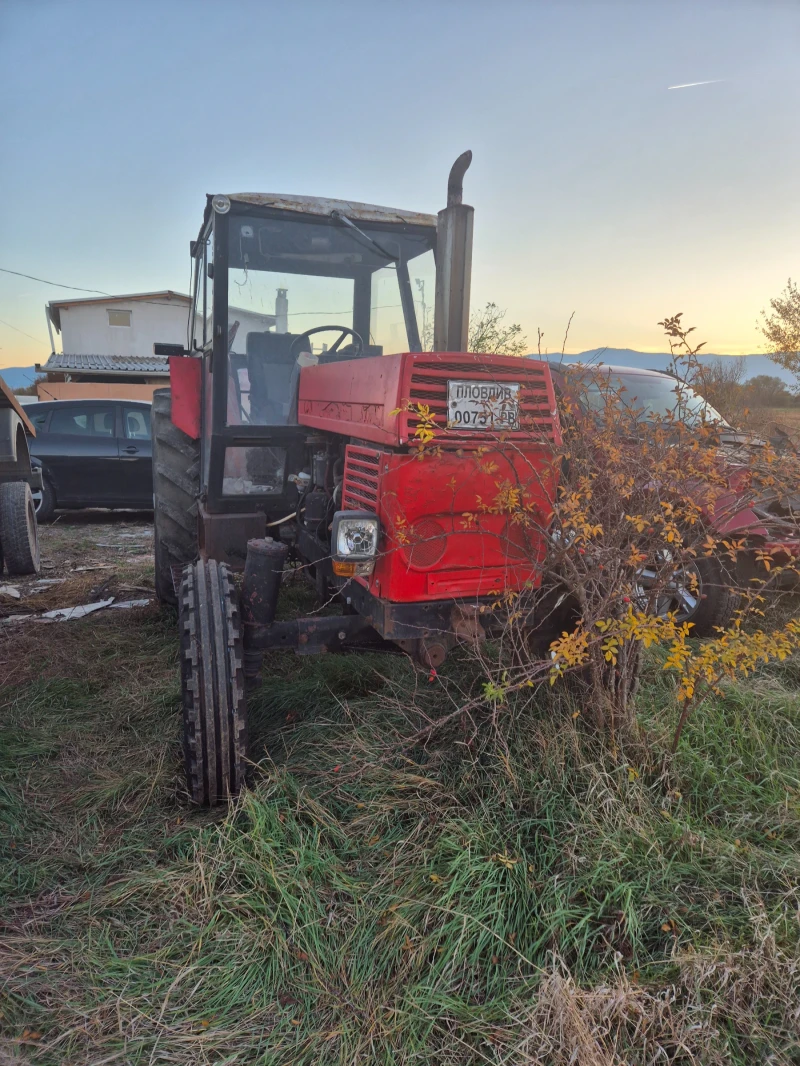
x: 270, y: 369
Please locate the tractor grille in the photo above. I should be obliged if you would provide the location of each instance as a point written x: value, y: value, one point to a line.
x: 428, y: 386
x: 360, y: 488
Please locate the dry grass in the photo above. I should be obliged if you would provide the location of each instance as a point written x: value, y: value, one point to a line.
x: 530, y: 902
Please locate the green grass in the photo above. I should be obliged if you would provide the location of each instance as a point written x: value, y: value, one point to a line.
x: 507, y: 898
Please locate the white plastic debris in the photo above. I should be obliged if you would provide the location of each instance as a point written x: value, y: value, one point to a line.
x: 131, y: 603
x: 68, y: 614
x: 10, y: 591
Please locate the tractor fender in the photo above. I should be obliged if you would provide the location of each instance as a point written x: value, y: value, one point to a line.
x: 185, y: 386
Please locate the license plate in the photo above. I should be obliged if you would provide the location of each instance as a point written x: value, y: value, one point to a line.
x: 482, y: 405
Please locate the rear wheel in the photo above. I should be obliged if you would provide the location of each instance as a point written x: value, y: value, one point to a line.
x: 176, y: 486
x: 18, y: 531
x: 212, y: 682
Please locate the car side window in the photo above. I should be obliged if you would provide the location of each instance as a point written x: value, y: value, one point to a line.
x: 136, y: 422
x: 83, y: 421
x: 39, y: 421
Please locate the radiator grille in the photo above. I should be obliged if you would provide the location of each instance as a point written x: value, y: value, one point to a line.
x: 361, y: 470
x: 428, y: 386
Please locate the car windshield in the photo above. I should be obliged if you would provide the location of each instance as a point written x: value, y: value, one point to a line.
x: 653, y: 398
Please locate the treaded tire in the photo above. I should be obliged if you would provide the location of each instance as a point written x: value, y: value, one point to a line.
x: 47, y: 502
x: 176, y: 486
x: 19, y: 533
x: 720, y: 601
x: 212, y: 684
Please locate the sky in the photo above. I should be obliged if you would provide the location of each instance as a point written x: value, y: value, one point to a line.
x: 597, y: 188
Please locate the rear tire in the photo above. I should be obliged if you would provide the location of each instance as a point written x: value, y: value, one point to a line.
x: 19, y: 534
x: 212, y: 682
x: 176, y: 486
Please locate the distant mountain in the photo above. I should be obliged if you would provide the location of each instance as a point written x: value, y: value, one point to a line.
x: 18, y: 377
x: 753, y: 364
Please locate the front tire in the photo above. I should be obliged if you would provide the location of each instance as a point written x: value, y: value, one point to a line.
x: 176, y: 486
x: 19, y: 533
x: 713, y: 602
x: 212, y: 683
x: 699, y: 593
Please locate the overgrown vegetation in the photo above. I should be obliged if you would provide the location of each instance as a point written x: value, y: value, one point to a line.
x: 535, y: 902
x: 781, y: 329
x: 454, y: 866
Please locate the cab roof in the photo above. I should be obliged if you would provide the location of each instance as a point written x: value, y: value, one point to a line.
x: 322, y: 207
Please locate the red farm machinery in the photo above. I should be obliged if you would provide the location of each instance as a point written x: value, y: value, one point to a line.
x: 326, y: 345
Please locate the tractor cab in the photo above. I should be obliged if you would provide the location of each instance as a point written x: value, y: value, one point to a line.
x: 281, y: 283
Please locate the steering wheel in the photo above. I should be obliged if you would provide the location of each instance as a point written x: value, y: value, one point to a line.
x: 358, y: 343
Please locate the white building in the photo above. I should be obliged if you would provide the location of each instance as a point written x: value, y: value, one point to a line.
x: 107, y: 342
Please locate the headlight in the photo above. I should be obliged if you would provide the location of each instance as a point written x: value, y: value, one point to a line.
x: 221, y: 204
x: 354, y: 536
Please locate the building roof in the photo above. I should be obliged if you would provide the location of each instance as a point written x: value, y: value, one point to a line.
x: 320, y: 205
x: 54, y: 307
x: 117, y: 365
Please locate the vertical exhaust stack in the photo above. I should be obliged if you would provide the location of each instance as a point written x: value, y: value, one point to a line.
x: 453, y: 264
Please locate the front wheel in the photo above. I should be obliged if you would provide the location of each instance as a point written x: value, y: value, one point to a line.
x: 19, y: 533
x: 212, y: 683
x: 699, y: 593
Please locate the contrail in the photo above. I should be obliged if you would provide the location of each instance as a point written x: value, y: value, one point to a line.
x: 691, y: 84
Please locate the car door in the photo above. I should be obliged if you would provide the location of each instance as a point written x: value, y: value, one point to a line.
x: 82, y: 452
x: 136, y: 455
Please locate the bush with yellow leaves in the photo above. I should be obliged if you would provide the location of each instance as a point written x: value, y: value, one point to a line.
x: 666, y: 527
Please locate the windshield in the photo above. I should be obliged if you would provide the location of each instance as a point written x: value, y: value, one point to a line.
x: 287, y: 276
x: 654, y: 399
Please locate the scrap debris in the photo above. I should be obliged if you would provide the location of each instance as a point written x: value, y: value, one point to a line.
x: 69, y: 614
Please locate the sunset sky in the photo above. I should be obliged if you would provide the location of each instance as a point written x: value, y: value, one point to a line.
x: 598, y: 188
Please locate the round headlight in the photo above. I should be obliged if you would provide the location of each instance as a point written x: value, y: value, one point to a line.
x: 221, y: 205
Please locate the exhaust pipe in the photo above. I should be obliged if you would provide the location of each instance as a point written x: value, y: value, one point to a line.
x: 453, y: 264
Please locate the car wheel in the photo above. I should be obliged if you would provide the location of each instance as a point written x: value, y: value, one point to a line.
x: 18, y: 530
x: 44, y: 501
x: 699, y: 593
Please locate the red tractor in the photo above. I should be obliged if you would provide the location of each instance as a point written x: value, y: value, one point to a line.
x: 291, y: 435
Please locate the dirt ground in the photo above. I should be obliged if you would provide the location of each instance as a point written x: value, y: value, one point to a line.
x: 87, y: 557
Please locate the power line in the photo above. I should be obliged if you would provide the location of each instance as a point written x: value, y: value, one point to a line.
x: 57, y: 284
x: 24, y: 334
